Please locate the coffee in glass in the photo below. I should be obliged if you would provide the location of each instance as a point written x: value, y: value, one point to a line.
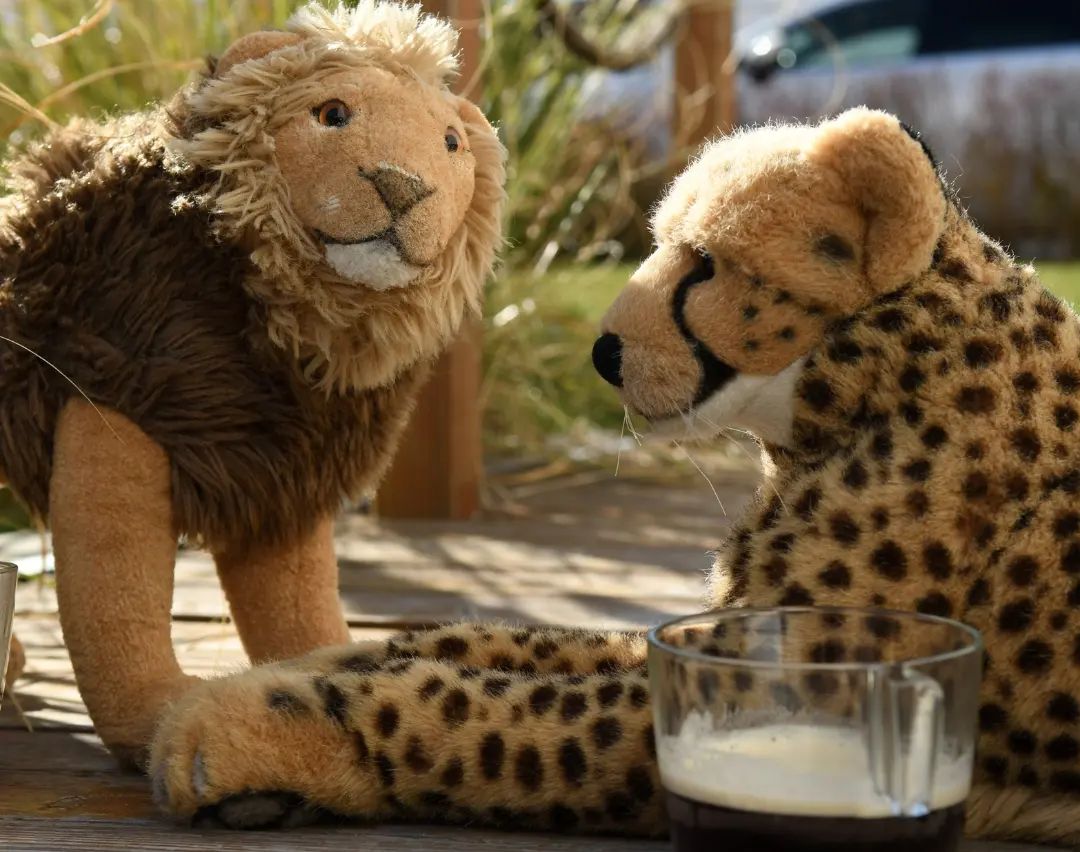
x: 763, y: 745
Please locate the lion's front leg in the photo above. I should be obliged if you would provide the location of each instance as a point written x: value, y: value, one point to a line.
x: 417, y: 740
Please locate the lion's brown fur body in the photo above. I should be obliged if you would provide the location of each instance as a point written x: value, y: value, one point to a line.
x: 135, y: 300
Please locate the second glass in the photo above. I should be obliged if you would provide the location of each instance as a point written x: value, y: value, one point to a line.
x: 9, y: 576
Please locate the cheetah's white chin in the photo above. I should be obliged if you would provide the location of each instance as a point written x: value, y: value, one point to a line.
x: 761, y: 404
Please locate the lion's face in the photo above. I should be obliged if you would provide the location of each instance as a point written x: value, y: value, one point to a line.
x: 767, y: 239
x: 367, y: 195
x: 380, y: 169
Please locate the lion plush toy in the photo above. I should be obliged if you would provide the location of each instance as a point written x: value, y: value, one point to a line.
x: 916, y: 393
x: 219, y: 313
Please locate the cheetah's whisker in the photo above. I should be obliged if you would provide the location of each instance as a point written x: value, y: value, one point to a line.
x: 704, y: 475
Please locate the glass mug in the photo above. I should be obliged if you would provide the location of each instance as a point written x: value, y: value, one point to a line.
x: 810, y: 729
x: 9, y: 575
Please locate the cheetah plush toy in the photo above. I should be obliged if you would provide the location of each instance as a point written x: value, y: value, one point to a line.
x: 217, y: 315
x: 916, y: 393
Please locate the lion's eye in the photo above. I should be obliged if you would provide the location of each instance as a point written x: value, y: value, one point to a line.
x: 332, y: 114
x: 453, y: 141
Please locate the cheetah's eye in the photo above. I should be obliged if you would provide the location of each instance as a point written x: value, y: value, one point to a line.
x: 332, y: 114
x: 453, y: 141
x: 703, y: 265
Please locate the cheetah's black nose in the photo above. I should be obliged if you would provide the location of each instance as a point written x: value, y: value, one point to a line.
x: 607, y: 358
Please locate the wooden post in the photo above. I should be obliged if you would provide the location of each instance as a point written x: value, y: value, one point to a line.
x: 439, y: 466
x: 704, y: 76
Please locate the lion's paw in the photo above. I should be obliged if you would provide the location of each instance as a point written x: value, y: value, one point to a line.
x: 267, y: 748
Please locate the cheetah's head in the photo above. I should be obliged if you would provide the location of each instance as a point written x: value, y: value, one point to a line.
x: 762, y: 242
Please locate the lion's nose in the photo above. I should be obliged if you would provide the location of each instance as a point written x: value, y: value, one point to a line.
x: 399, y: 190
x: 607, y: 358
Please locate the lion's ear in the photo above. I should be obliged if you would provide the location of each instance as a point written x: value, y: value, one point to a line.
x: 470, y: 113
x: 891, y: 178
x: 253, y: 46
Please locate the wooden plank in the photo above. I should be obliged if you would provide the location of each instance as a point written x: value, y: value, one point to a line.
x: 438, y: 469
x: 62, y: 791
x: 704, y: 77
x: 78, y: 835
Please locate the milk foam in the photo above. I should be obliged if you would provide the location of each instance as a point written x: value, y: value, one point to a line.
x: 789, y: 769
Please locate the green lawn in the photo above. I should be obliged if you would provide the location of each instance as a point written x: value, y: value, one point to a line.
x: 1063, y: 279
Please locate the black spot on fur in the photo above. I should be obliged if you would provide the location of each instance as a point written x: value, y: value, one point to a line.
x: 492, y: 755
x: 386, y: 768
x: 992, y: 717
x: 451, y: 648
x: 979, y: 592
x: 574, y: 704
x: 889, y: 561
x: 976, y: 486
x: 562, y: 818
x: 455, y: 707
x: 976, y: 399
x: 284, y: 701
x: 1026, y: 443
x: 431, y: 687
x: 416, y: 756
x: 796, y: 595
x: 386, y: 720
x: 855, y: 475
x: 1016, y: 615
x: 937, y: 560
x: 843, y: 528
x: 817, y: 393
x: 1022, y: 742
x: 934, y: 603
x: 996, y: 767
x: 360, y: 746
x: 836, y: 575
x: 606, y: 731
x: 1066, y: 524
x: 891, y: 320
x: 453, y: 774
x: 933, y: 437
x: 496, y: 686
x: 1067, y: 781
x: 358, y: 663
x: 639, y: 783
x: 335, y: 704
x: 1062, y: 747
x: 609, y: 693
x: 917, y: 470
x: 1034, y: 657
x: 844, y: 351
x: 620, y: 807
x: 1063, y: 708
x: 572, y: 761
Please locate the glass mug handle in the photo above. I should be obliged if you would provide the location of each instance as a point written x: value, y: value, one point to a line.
x: 905, y: 735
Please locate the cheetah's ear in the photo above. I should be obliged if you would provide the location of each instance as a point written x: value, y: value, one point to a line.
x: 891, y: 178
x: 252, y: 46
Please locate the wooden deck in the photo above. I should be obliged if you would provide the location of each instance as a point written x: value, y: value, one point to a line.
x: 577, y: 549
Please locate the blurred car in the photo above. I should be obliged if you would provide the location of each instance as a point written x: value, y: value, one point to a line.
x: 994, y: 86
